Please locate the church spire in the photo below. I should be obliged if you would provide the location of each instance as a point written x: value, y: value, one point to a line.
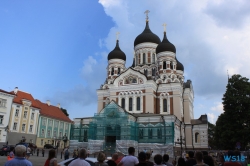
x: 146, y: 12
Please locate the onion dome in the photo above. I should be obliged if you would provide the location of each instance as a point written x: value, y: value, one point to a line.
x: 117, y: 53
x: 147, y: 36
x: 165, y: 45
x: 179, y: 65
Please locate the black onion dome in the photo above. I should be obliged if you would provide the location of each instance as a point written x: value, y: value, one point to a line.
x: 117, y: 53
x: 147, y: 36
x: 179, y: 65
x: 165, y: 45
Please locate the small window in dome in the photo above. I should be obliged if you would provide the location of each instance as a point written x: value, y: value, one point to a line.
x: 145, y: 72
x: 144, y: 58
x: 153, y: 58
x: 171, y: 65
x: 112, y: 71
x: 119, y: 70
x: 164, y: 65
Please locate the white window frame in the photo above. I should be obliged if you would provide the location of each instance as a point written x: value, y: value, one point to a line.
x: 14, y: 126
x: 42, y: 133
x: 1, y: 119
x: 48, y: 133
x: 44, y: 122
x: 31, y: 129
x: 3, y: 102
x: 23, y: 127
x: 32, y: 116
x: 17, y: 113
x: 54, y: 134
x: 25, y: 114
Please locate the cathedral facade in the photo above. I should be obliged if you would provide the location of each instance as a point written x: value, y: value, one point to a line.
x: 148, y: 105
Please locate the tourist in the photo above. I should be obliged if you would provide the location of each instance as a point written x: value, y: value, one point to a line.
x: 199, y: 157
x: 74, y: 154
x: 191, y: 161
x: 148, y: 156
x: 231, y: 163
x: 66, y: 153
x: 130, y: 159
x: 81, y: 160
x: 51, y: 161
x: 101, y: 158
x: 11, y: 154
x: 142, y: 159
x: 20, y: 152
x: 181, y: 162
x: 221, y: 160
x: 158, y: 160
x: 37, y: 152
x: 43, y: 152
x: 165, y: 160
x: 208, y: 160
x: 28, y: 152
x: 112, y: 162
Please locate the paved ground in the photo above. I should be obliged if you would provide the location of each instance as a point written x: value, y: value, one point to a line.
x: 36, y: 161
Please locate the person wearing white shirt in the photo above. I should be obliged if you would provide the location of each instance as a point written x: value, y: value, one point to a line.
x: 81, y: 160
x: 129, y: 160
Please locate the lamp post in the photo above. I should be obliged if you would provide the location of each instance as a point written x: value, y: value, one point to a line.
x: 180, y: 141
x: 65, y: 139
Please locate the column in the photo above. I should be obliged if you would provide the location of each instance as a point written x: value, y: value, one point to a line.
x: 134, y: 103
x: 126, y: 102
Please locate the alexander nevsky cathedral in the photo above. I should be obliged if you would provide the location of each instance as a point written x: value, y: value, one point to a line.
x: 148, y: 105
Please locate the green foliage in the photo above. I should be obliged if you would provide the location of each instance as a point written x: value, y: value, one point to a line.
x: 65, y: 111
x: 233, y: 125
x: 211, y: 133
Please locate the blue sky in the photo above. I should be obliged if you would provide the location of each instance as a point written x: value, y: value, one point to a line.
x: 57, y: 50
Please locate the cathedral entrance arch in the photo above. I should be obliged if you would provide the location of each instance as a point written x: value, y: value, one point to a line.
x: 113, y: 133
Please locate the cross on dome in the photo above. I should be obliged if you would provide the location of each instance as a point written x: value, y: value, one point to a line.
x: 146, y: 12
x: 165, y: 27
x: 117, y: 35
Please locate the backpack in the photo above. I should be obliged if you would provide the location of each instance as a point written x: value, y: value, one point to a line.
x: 66, y: 153
x: 46, y: 163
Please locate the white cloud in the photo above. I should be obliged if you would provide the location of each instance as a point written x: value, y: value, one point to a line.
x: 218, y: 108
x: 88, y: 65
x: 211, y: 117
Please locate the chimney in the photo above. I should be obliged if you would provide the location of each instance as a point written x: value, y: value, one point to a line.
x: 16, y: 90
x: 48, y: 102
x: 59, y: 106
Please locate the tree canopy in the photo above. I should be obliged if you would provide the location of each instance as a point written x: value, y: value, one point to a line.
x: 233, y: 125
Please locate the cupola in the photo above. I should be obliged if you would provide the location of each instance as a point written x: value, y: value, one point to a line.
x: 117, y: 53
x: 165, y: 45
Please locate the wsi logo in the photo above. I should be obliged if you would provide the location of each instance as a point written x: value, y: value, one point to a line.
x: 234, y: 158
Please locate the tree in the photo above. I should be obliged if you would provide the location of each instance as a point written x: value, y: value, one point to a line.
x: 211, y: 132
x: 65, y: 111
x: 233, y: 125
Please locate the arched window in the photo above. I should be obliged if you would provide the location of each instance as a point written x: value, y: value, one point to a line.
x: 119, y: 70
x: 138, y: 103
x: 112, y: 71
x: 165, y: 106
x: 153, y: 72
x: 145, y: 72
x: 164, y: 65
x: 144, y: 58
x: 153, y: 58
x: 141, y: 134
x: 150, y: 134
x: 123, y: 103
x: 149, y: 57
x: 197, y: 138
x: 171, y: 65
x: 130, y: 104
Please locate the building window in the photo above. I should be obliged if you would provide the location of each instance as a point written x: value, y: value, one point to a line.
x: 26, y: 108
x: 56, y: 124
x: 44, y: 122
x: 3, y: 102
x: 153, y: 58
x: 141, y: 134
x: 42, y: 133
x: 17, y: 112
x: 138, y: 103
x: 61, y: 125
x: 50, y: 123
x: 14, y: 126
x: 25, y: 114
x: 48, y: 133
x: 54, y: 134
x: 171, y: 65
x: 197, y: 138
x: 123, y: 103
x: 112, y: 71
x: 139, y: 59
x: 32, y: 116
x: 150, y: 134
x: 41, y: 141
x: 60, y: 134
x: 1, y: 119
x: 165, y: 106
x: 144, y: 58
x: 159, y: 133
x: 164, y: 65
x: 31, y: 128
x: 149, y: 58
x: 119, y: 71
x: 130, y: 104
x: 145, y: 72
x: 153, y: 72
x: 23, y: 127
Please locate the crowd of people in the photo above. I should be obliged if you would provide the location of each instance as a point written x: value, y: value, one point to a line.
x: 144, y: 158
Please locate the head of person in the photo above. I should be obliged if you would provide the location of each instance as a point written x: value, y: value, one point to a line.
x: 158, y: 159
x: 12, y: 148
x: 115, y: 157
x: 205, y: 153
x: 101, y: 157
x: 165, y: 157
x: 148, y: 155
x: 131, y: 150
x: 187, y: 156
x: 83, y: 153
x: 230, y: 153
x: 198, y: 156
x: 52, y: 154
x: 208, y: 160
x: 142, y: 156
x: 191, y: 154
x: 181, y: 162
x: 20, y: 151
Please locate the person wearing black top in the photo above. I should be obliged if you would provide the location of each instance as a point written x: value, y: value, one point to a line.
x: 142, y: 159
x: 191, y: 161
x: 114, y: 158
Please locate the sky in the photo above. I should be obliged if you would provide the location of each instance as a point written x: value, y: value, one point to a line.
x: 57, y: 50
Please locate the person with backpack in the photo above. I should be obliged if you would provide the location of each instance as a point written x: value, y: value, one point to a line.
x: 66, y: 153
x: 51, y: 161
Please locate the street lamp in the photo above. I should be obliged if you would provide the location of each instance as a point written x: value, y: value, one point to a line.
x: 180, y: 141
x: 65, y: 139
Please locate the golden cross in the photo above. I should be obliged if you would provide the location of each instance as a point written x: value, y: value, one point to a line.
x: 146, y: 12
x: 117, y: 35
x: 164, y: 25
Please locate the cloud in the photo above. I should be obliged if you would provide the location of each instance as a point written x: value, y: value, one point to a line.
x: 218, y: 108
x: 211, y: 117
